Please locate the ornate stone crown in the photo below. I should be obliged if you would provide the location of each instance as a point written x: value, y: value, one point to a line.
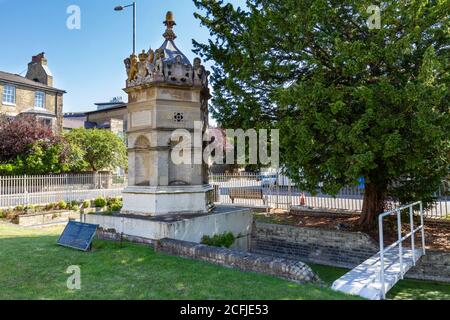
x: 165, y: 65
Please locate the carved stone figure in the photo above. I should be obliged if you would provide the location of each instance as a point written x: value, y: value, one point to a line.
x: 159, y: 64
x: 197, y: 71
x: 178, y: 71
x: 150, y: 65
x: 142, y: 65
x: 127, y: 63
x: 167, y: 63
x: 131, y: 64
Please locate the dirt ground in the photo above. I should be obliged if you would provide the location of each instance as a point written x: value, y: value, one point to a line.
x: 437, y: 235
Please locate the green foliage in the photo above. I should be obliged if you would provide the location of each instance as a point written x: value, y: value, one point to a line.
x: 223, y: 240
x: 350, y: 102
x: 62, y: 205
x: 73, y: 205
x: 43, y: 158
x: 100, y: 202
x: 116, y: 207
x: 97, y: 149
x: 86, y: 204
x: 114, y: 204
x: 110, y: 201
x: 50, y: 206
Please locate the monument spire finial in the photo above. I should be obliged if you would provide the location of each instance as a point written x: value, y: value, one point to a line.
x: 169, y: 23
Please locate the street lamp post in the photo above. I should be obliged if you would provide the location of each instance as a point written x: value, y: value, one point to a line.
x: 120, y: 8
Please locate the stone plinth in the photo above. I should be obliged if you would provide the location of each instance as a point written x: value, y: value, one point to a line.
x: 163, y: 200
x: 185, y: 227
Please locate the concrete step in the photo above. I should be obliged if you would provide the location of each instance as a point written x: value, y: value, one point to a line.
x: 364, y: 280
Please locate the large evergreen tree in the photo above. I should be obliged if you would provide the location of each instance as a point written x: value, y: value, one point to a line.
x: 350, y: 101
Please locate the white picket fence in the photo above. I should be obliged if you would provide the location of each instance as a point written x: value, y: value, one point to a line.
x: 282, y: 193
x: 44, y: 189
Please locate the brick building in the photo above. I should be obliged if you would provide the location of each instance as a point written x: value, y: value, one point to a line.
x: 109, y: 115
x: 33, y: 94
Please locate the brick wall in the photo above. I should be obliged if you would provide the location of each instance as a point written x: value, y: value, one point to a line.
x: 328, y: 247
x: 336, y: 248
x: 295, y: 271
x: 435, y: 265
x: 25, y: 100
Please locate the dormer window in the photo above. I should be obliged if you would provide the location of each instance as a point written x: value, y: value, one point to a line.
x: 9, y: 95
x: 39, y: 99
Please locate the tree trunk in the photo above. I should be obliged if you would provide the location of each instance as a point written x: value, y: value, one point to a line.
x: 373, y: 206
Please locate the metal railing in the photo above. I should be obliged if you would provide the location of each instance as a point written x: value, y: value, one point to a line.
x: 400, y: 240
x: 43, y: 189
x: 282, y: 193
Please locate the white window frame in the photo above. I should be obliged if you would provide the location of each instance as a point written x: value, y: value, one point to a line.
x: 40, y: 94
x: 10, y: 94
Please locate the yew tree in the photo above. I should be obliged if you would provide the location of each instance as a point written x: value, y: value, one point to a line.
x: 350, y: 99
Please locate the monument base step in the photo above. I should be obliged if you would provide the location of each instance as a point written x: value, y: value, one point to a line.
x: 185, y: 227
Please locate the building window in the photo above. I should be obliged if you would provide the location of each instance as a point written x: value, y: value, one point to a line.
x: 39, y: 99
x: 46, y: 122
x: 9, y: 94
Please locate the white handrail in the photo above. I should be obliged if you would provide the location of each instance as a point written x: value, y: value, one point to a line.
x: 401, y: 238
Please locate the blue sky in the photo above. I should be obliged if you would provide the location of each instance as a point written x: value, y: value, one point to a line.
x: 88, y: 63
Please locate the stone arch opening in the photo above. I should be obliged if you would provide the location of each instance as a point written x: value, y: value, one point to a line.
x: 142, y: 161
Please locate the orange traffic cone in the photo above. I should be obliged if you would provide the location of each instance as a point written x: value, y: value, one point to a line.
x: 302, y: 200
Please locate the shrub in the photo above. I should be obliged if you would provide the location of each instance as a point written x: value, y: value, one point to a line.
x: 223, y: 240
x: 19, y: 208
x: 2, y: 214
x: 112, y: 201
x: 62, y: 205
x: 86, y: 204
x: 100, y: 202
x: 50, y: 207
x: 73, y: 205
x: 116, y: 207
x: 10, y: 214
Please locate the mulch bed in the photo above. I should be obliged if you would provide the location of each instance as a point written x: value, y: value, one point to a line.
x: 437, y: 235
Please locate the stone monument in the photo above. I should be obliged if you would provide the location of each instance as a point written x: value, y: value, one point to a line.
x: 165, y: 93
x: 168, y: 199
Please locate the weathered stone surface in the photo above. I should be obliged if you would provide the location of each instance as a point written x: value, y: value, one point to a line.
x: 42, y: 218
x: 184, y: 227
x: 328, y: 247
x: 292, y: 270
x: 435, y: 265
x: 337, y: 248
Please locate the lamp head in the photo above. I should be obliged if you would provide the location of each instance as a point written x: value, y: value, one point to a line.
x: 118, y: 8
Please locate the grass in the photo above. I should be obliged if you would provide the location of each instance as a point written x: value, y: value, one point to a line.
x: 404, y: 290
x: 32, y: 266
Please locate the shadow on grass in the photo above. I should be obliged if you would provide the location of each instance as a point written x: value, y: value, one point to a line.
x: 34, y: 267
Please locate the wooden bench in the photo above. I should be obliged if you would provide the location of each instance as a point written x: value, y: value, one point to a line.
x: 247, y: 193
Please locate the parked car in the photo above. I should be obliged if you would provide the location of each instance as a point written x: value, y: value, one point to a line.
x: 268, y: 180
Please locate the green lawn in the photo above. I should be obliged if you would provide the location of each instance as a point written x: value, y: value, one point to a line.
x: 404, y: 290
x: 32, y: 266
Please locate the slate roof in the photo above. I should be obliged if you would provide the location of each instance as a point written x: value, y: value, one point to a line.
x: 16, y: 79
